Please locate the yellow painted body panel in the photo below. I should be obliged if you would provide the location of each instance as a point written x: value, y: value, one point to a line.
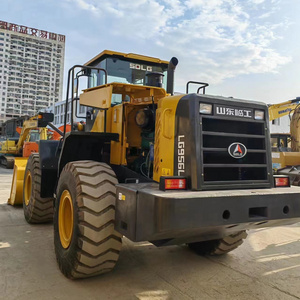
x: 283, y: 159
x: 98, y: 125
x: 7, y: 146
x: 16, y: 193
x: 116, y: 148
x: 121, y: 117
x: 27, y: 190
x: 165, y: 137
x: 295, y: 131
x: 65, y: 219
x: 43, y: 133
x: 99, y: 97
x: 127, y: 55
x: 281, y: 109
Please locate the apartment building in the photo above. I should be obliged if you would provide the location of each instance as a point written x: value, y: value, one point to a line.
x: 31, y: 70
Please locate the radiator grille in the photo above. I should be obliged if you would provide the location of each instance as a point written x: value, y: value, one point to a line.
x: 218, y: 167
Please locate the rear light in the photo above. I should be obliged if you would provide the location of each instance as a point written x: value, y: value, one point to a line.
x: 281, y: 181
x: 172, y: 183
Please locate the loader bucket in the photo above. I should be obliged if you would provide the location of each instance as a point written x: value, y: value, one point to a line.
x: 16, y: 192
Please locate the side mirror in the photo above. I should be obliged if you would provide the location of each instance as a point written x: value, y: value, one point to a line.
x: 44, y: 119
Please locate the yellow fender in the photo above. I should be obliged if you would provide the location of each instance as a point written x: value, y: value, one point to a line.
x: 16, y: 192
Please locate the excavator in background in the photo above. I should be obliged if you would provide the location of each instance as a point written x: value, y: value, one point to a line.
x: 279, y: 110
x: 55, y: 135
x: 280, y: 141
x: 29, y: 134
x: 286, y: 146
x: 15, y: 155
x: 11, y: 130
x: 290, y: 161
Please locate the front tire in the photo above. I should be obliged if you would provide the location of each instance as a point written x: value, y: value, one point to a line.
x: 220, y: 246
x: 36, y: 209
x: 86, y: 243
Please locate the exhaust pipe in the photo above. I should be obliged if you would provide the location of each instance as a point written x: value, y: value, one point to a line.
x: 171, y: 69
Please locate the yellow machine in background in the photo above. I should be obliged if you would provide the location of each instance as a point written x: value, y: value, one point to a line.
x: 35, y: 126
x: 26, y: 144
x: 291, y: 160
x: 282, y: 109
x: 286, y: 150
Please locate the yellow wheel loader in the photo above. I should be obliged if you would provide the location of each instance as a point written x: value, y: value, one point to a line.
x: 15, y: 155
x: 153, y: 166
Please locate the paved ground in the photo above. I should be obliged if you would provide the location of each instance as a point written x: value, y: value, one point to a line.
x: 266, y: 266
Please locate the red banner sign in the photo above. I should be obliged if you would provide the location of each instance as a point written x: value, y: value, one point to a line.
x: 32, y: 31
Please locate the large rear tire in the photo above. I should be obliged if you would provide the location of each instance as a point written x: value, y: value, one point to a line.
x: 220, y: 246
x: 86, y: 243
x: 36, y: 209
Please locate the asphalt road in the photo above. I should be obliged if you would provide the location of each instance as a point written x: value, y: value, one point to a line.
x: 266, y: 266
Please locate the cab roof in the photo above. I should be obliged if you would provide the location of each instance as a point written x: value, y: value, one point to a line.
x: 107, y: 53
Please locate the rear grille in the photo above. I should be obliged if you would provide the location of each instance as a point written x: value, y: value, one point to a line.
x: 218, y: 167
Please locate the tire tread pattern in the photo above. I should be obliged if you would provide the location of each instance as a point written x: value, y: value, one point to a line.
x: 220, y: 246
x: 39, y: 210
x: 98, y: 244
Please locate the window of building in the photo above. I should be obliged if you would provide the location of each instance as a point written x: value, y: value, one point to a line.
x: 276, y: 122
x: 81, y: 109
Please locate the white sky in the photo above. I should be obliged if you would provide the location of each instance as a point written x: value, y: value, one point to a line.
x: 243, y: 48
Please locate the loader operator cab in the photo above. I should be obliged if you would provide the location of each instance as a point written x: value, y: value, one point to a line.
x: 126, y: 69
x: 129, y: 69
x: 115, y: 67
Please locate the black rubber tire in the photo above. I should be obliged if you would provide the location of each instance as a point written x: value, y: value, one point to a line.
x: 7, y: 162
x: 39, y: 210
x: 10, y: 162
x: 95, y: 245
x: 220, y: 246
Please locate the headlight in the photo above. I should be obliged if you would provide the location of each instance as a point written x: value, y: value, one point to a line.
x: 259, y: 115
x: 141, y: 118
x: 205, y: 108
x: 144, y: 118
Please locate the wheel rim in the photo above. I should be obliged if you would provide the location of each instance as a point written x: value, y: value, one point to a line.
x: 65, y: 219
x: 28, y: 186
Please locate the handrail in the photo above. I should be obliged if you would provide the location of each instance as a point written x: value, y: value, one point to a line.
x: 203, y: 86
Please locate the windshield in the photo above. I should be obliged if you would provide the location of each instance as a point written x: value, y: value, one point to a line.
x: 34, y: 136
x: 124, y: 71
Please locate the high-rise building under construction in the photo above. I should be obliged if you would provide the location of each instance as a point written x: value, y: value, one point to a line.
x: 31, y: 69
